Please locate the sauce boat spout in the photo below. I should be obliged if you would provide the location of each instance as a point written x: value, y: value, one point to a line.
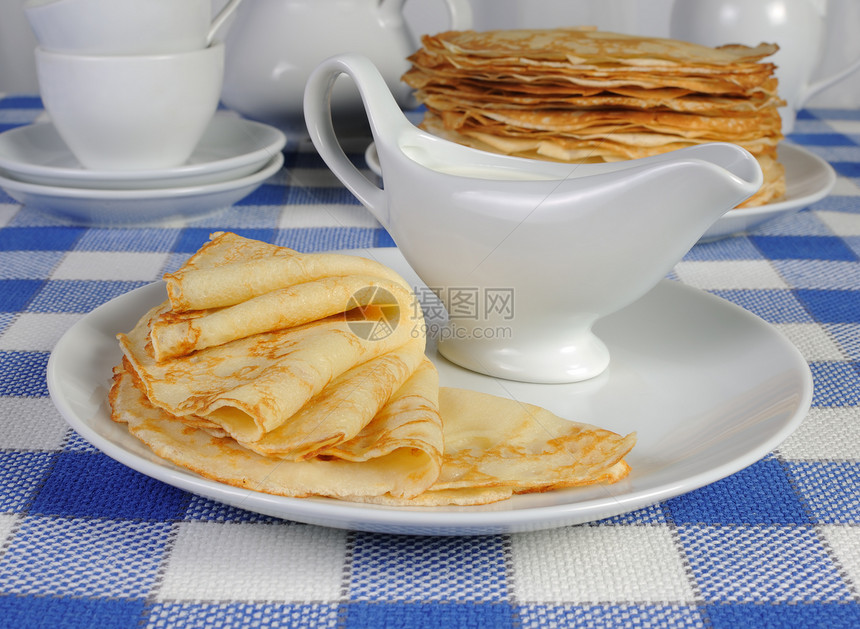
x: 559, y: 245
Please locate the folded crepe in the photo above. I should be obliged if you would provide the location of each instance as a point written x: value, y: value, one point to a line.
x: 493, y: 448
x: 395, y: 468
x: 179, y: 333
x: 588, y: 96
x: 230, y: 269
x: 497, y: 447
x: 250, y: 371
x: 313, y: 382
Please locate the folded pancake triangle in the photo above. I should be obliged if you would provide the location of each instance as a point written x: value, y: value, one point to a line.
x: 305, y: 375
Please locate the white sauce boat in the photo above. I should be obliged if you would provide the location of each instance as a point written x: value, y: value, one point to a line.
x: 564, y: 244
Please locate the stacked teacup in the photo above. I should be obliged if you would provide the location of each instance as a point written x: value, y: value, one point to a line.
x: 129, y: 84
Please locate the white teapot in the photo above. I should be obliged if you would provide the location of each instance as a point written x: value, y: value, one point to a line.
x: 273, y: 45
x: 797, y: 26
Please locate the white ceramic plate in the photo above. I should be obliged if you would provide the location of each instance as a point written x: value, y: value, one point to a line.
x: 808, y: 179
x: 709, y: 387
x: 138, y: 207
x: 230, y: 148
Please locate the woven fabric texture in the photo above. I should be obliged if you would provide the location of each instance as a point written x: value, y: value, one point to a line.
x: 87, y: 542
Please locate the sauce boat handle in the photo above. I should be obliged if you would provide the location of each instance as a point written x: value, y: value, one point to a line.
x: 383, y: 113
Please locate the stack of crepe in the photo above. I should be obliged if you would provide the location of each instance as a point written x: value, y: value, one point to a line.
x: 582, y: 95
x: 305, y: 375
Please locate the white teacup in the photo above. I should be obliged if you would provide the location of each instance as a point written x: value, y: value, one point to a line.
x: 124, y: 27
x: 131, y: 112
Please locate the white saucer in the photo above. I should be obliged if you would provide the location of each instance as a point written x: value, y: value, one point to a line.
x: 230, y: 148
x: 709, y: 387
x: 117, y: 208
x: 808, y: 179
x: 372, y: 159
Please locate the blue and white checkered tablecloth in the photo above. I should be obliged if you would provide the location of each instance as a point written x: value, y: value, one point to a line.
x: 87, y: 542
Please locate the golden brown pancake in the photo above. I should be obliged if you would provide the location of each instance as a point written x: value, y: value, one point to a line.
x: 586, y: 96
x: 493, y: 448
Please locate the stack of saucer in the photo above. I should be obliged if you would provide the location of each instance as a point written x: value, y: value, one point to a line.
x: 131, y: 90
x: 232, y: 159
